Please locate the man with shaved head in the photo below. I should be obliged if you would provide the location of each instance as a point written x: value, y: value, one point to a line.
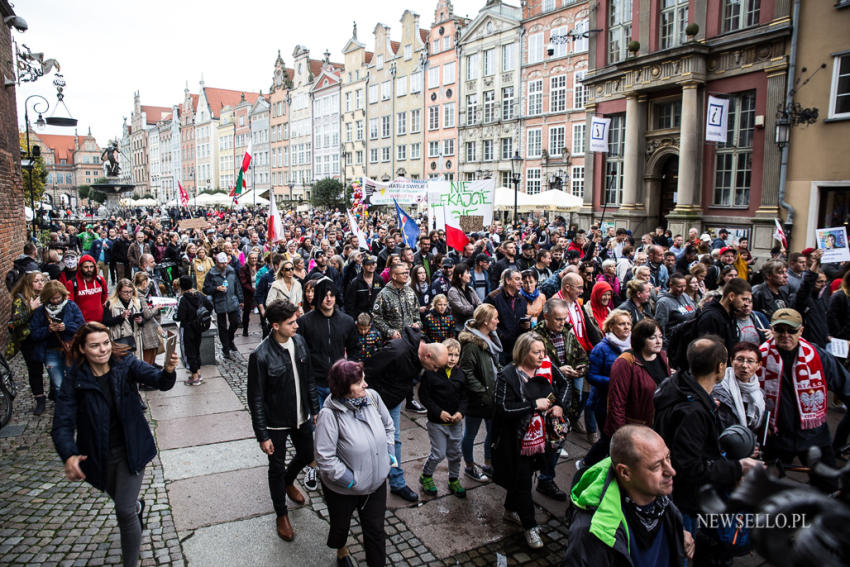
x: 623, y: 513
x: 391, y: 373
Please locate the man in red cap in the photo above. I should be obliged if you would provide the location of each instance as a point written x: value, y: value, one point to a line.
x: 88, y: 290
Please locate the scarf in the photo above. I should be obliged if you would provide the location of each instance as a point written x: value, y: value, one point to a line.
x: 623, y: 345
x: 534, y: 440
x: 531, y: 297
x: 600, y: 312
x: 809, y: 383
x: 735, y: 394
x: 54, y: 310
x: 645, y: 521
x: 357, y: 405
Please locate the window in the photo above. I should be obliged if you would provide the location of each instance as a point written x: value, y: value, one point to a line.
x: 373, y: 94
x: 471, y: 109
x: 548, y: 5
x: 733, y: 159
x: 348, y: 102
x: 401, y: 123
x: 408, y: 52
x: 358, y: 157
x: 433, y: 148
x: 558, y: 93
x: 385, y: 154
x: 447, y: 43
x: 358, y: 98
x: 507, y: 148
x: 373, y: 155
x: 401, y: 86
x: 619, y: 29
x: 416, y: 82
x: 560, y: 41
x: 415, y: 120
x: 373, y: 128
x: 348, y: 130
x: 401, y: 152
x: 433, y: 77
x: 470, y: 151
x: 490, y: 106
x: 449, y: 115
x: 449, y: 147
x: 472, y: 67
x: 386, y: 90
x: 386, y: 129
x: 839, y: 93
x: 436, y: 46
x: 535, y: 48
x: 577, y: 180
x: 489, y: 62
x: 535, y: 143
x: 579, y: 92
x: 532, y: 180
x: 667, y: 115
x: 556, y: 140
x: 449, y: 73
x: 614, y: 160
x: 508, y: 103
x: 580, y: 43
x: 415, y: 150
x: 535, y: 97
x: 739, y: 14
x: 674, y: 20
x: 434, y: 117
x: 578, y: 139
x: 359, y: 125
x: 379, y: 62
x: 508, y: 57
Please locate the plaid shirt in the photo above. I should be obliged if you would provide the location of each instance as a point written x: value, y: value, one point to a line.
x: 370, y: 343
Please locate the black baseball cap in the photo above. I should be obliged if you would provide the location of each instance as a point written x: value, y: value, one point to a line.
x: 370, y: 260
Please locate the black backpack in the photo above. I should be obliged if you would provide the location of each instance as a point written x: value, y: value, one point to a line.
x: 203, y: 318
x: 681, y: 336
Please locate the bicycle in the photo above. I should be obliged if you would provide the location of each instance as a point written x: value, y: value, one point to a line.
x: 8, y: 391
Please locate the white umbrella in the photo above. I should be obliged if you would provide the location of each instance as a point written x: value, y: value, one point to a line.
x: 146, y: 202
x: 556, y: 200
x: 504, y: 199
x: 247, y: 199
x: 212, y: 199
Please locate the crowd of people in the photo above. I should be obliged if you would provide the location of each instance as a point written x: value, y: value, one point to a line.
x: 649, y: 345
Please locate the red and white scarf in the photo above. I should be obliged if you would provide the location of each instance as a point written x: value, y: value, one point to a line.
x: 809, y: 383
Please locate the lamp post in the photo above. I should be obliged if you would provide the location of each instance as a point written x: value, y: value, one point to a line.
x: 30, y: 158
x: 516, y: 168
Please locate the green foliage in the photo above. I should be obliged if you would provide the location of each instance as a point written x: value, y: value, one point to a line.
x: 84, y: 191
x: 327, y: 193
x: 38, y: 174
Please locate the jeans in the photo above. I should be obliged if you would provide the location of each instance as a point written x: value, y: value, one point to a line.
x: 547, y: 473
x: 123, y: 487
x: 397, y: 473
x: 472, y: 425
x: 54, y: 361
x: 323, y: 392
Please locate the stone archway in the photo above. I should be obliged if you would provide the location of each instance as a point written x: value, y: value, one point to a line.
x: 660, y: 181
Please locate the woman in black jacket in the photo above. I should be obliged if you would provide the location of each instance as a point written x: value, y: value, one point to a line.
x: 113, y: 442
x: 187, y: 313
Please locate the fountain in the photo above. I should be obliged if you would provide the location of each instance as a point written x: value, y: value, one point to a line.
x: 112, y: 188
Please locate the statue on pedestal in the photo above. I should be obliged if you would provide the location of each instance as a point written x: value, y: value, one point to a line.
x: 110, y: 161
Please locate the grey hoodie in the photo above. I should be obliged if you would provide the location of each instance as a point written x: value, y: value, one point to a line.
x: 671, y: 310
x: 354, y: 448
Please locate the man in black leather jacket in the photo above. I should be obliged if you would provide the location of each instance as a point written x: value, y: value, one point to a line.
x: 282, y: 399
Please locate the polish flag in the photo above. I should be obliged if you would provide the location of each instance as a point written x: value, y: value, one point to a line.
x: 779, y: 234
x: 184, y: 197
x: 456, y: 238
x: 275, y: 229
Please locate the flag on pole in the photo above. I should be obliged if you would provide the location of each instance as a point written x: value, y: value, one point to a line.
x: 409, y: 230
x: 779, y: 234
x: 184, y: 197
x: 246, y: 163
x: 455, y: 237
x: 275, y: 229
x: 355, y: 230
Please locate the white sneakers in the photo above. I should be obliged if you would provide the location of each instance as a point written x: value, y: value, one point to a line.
x: 532, y: 538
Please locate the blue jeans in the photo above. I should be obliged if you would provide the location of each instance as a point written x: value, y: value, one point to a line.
x: 54, y: 361
x: 397, y: 473
x: 472, y: 426
x: 550, y: 459
x: 323, y: 392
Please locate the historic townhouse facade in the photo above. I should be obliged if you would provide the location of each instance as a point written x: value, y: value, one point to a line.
x: 554, y: 62
x: 88, y: 166
x: 279, y: 127
x: 153, y: 187
x: 143, y: 119
x: 653, y: 79
x: 326, y: 122
x: 381, y: 107
x: 490, y: 93
x: 409, y: 65
x: 70, y: 161
x: 170, y: 147
x: 441, y: 94
x: 187, y: 141
x: 301, y: 123
x: 260, y: 164
x: 225, y: 138
x: 241, y: 136
x: 354, y: 80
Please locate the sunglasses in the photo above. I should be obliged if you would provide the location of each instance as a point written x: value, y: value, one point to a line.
x: 785, y: 330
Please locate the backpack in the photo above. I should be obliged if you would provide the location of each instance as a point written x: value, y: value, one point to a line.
x: 203, y: 318
x: 681, y: 336
x: 99, y: 279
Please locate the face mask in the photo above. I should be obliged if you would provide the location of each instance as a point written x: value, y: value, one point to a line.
x: 70, y: 262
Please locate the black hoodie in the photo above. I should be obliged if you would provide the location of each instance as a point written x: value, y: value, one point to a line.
x: 694, y: 448
x: 393, y: 369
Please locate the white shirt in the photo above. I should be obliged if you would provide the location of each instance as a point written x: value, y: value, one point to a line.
x: 289, y: 346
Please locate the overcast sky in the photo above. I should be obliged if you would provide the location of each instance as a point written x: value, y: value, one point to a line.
x: 108, y: 50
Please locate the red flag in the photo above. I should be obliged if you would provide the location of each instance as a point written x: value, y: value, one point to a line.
x: 779, y: 234
x: 184, y: 197
x: 232, y: 191
x: 456, y: 238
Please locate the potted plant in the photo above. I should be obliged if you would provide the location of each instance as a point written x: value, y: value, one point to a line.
x: 691, y: 30
x: 634, y: 47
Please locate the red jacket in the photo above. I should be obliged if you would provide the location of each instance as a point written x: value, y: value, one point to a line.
x: 630, y: 393
x: 89, y: 296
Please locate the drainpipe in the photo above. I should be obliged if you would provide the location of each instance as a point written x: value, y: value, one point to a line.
x: 789, y: 99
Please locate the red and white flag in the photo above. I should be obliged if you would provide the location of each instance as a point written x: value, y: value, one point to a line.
x: 275, y: 228
x: 184, y: 197
x: 779, y: 234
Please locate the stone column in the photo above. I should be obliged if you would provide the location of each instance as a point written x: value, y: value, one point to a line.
x: 631, y: 153
x: 687, y: 189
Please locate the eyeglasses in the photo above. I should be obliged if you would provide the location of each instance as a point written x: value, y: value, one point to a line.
x: 287, y: 268
x: 785, y: 330
x: 749, y: 361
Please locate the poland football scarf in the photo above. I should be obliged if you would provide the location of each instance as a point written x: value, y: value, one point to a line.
x: 809, y: 383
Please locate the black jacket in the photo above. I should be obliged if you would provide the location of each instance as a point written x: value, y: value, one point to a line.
x: 511, y: 310
x: 187, y: 309
x: 713, y: 319
x: 839, y: 315
x: 82, y: 406
x: 271, y: 386
x: 439, y: 393
x: 766, y: 302
x: 330, y: 339
x: 360, y: 296
x: 813, y: 308
x: 686, y: 417
x: 497, y: 269
x: 393, y: 368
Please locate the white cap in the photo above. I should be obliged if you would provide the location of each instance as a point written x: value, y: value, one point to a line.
x: 221, y: 258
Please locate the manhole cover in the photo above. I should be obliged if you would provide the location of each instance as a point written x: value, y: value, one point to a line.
x: 13, y: 430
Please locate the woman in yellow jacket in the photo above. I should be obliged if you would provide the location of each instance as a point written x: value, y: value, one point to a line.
x: 200, y: 267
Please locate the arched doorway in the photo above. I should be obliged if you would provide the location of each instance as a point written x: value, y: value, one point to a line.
x: 668, y: 170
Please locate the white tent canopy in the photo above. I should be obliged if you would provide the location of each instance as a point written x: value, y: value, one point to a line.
x: 504, y: 199
x: 247, y: 199
x: 212, y: 199
x: 555, y: 200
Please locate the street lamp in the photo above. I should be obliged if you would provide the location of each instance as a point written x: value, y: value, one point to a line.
x: 783, y: 130
x: 516, y: 170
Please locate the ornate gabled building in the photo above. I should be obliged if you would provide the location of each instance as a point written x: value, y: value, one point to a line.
x: 354, y: 80
x: 651, y: 73
x: 143, y: 120
x: 260, y: 164
x: 381, y: 102
x: 70, y: 161
x: 408, y: 96
x: 326, y: 121
x: 187, y: 140
x: 301, y: 176
x: 490, y: 93
x: 279, y: 127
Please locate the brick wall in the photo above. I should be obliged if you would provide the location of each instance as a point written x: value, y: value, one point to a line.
x: 12, y: 221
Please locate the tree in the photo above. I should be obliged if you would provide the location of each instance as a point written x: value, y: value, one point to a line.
x: 327, y: 193
x: 39, y: 172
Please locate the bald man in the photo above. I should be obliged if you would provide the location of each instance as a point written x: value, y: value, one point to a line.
x: 391, y: 373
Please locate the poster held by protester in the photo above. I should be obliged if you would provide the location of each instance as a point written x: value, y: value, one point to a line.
x: 402, y: 191
x: 833, y: 242
x: 448, y: 201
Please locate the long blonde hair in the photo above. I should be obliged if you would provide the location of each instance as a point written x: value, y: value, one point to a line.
x: 122, y: 283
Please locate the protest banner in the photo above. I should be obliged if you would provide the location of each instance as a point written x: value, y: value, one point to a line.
x: 189, y: 224
x: 448, y: 201
x: 833, y: 242
x: 402, y: 191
